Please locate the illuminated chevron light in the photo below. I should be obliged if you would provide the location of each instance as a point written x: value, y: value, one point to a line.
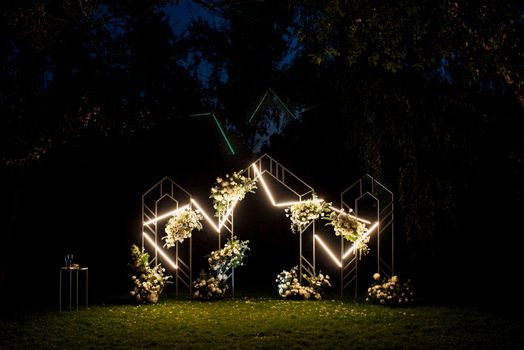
x: 208, y: 218
x: 163, y: 216
x: 368, y: 232
x: 159, y: 250
x: 205, y: 215
x: 330, y: 253
x: 350, y: 250
x: 268, y: 191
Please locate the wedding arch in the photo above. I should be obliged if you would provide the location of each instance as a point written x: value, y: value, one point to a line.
x: 369, y: 200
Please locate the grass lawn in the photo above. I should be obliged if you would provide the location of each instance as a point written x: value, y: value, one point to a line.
x: 265, y: 324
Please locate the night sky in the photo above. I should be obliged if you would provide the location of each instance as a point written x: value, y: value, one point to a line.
x: 98, y: 103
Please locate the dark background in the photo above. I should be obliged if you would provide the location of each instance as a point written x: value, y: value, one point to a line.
x: 424, y: 96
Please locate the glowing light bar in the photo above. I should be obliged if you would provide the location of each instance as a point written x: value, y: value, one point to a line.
x: 224, y: 218
x: 268, y: 192
x: 160, y: 251
x: 368, y: 232
x: 163, y: 216
x: 351, y: 216
x: 330, y: 253
x: 288, y: 204
x: 204, y: 214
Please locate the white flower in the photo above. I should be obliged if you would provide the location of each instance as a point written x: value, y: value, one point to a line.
x: 376, y: 276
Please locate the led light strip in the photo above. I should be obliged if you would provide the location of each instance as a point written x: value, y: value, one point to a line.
x: 268, y: 192
x: 159, y: 250
x: 330, y: 253
x: 368, y: 232
x: 163, y: 216
x: 204, y: 214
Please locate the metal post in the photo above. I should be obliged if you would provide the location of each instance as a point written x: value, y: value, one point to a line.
x: 77, y: 289
x: 60, y: 291
x: 176, y: 273
x: 378, y: 235
x: 190, y: 267
x: 70, y: 289
x: 313, y: 241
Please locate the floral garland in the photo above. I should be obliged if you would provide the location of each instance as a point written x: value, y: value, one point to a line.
x: 150, y: 281
x: 181, y: 225
x: 351, y: 229
x: 302, y: 213
x: 227, y: 191
x: 213, y: 285
x: 290, y: 288
x: 390, y: 291
x: 231, y: 256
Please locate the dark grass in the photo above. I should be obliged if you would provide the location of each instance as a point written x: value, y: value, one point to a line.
x: 262, y: 323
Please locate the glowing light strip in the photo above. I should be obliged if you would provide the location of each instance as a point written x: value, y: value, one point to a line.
x: 330, y: 253
x: 268, y: 192
x: 164, y: 255
x: 224, y: 218
x: 217, y: 122
x: 287, y: 204
x: 204, y: 214
x: 163, y: 216
x: 368, y: 232
x: 351, y: 216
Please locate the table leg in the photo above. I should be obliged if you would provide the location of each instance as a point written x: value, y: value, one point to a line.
x: 70, y: 289
x: 60, y: 292
x: 87, y: 286
x: 76, y: 290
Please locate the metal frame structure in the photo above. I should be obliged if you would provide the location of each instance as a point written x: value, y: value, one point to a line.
x: 365, y: 188
x: 368, y: 188
x: 167, y: 190
x: 267, y: 165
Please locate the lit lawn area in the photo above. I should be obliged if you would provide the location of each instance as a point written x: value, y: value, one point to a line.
x: 265, y: 324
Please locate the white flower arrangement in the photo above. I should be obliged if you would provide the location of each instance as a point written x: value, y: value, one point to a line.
x: 390, y: 291
x: 213, y: 285
x: 351, y: 229
x: 289, y: 286
x: 181, y: 226
x: 209, y: 288
x: 301, y: 214
x: 231, y: 256
x: 150, y: 281
x: 229, y: 190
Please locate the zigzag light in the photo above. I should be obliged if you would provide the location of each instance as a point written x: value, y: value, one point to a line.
x: 221, y: 223
x: 163, y: 216
x: 159, y: 250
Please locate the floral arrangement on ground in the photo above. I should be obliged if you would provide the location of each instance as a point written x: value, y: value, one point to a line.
x: 390, y: 291
x: 213, y: 284
x: 302, y: 213
x: 230, y: 190
x: 149, y: 282
x: 181, y: 225
x: 289, y: 286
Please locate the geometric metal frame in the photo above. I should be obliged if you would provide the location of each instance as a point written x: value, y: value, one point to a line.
x: 369, y: 187
x: 267, y: 165
x: 167, y: 190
